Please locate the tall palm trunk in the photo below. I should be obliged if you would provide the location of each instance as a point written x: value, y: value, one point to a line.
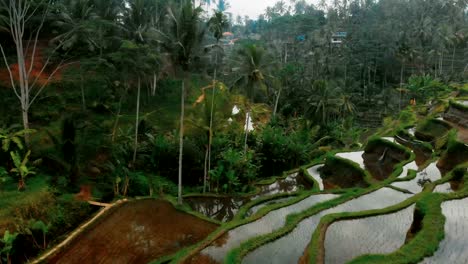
x: 401, y: 84
x: 277, y: 101
x: 181, y: 141
x: 83, y: 99
x: 247, y: 121
x: 137, y: 122
x: 453, y: 57
x: 210, y: 136
x: 119, y: 109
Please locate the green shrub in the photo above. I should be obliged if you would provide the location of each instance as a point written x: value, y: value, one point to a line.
x: 233, y: 171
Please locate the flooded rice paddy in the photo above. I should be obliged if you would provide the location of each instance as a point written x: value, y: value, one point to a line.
x: 291, y: 183
x: 219, y: 208
x: 453, y: 248
x: 267, y: 224
x: 225, y: 208
x: 380, y: 234
x: 289, y: 249
x: 429, y: 174
x: 353, y: 156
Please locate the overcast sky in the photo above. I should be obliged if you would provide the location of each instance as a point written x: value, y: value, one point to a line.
x: 253, y: 8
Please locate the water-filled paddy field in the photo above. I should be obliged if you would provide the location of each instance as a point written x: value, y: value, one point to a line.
x: 288, y: 249
x: 224, y: 208
x: 267, y: 224
x: 381, y: 234
x: 453, y: 249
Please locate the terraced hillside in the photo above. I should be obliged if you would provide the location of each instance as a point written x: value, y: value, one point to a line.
x: 395, y: 201
x: 402, y: 198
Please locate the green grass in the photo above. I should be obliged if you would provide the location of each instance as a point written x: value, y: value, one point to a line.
x: 14, y: 203
x: 375, y: 142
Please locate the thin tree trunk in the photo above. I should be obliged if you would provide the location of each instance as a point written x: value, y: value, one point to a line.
x: 453, y: 57
x: 277, y: 101
x: 154, y: 85
x: 345, y: 74
x: 137, y: 122
x: 401, y: 83
x: 26, y: 124
x: 181, y: 142
x: 114, y: 129
x: 205, y: 171
x: 441, y: 58
x: 83, y: 100
x: 286, y: 53
x: 210, y: 137
x: 247, y: 121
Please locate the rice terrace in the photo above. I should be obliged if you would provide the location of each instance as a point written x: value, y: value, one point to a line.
x: 234, y: 131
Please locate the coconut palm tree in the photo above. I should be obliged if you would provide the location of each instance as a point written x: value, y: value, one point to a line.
x: 252, y: 72
x: 180, y: 38
x: 217, y: 24
x: 322, y: 101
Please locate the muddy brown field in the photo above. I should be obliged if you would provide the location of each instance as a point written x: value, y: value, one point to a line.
x: 136, y: 232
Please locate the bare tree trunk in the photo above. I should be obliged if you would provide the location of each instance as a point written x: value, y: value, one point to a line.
x: 83, y: 100
x: 18, y: 17
x: 136, y: 123
x: 453, y: 57
x: 114, y: 130
x: 247, y: 121
x: 205, y: 171
x: 277, y: 101
x: 441, y: 62
x: 181, y: 141
x: 345, y: 74
x: 285, y: 53
x: 154, y: 85
x: 210, y: 137
x: 401, y: 83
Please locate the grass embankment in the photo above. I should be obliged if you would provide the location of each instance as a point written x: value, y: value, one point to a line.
x: 434, y: 131
x: 456, y: 153
x: 458, y: 105
x: 344, y: 173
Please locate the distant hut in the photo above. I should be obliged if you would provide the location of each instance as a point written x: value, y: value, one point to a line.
x: 338, y: 37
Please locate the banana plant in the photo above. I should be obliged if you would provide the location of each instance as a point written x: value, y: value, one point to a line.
x: 7, y: 242
x: 9, y: 136
x: 38, y: 225
x: 21, y: 168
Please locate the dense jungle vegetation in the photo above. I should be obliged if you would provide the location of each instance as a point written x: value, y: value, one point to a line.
x: 104, y: 99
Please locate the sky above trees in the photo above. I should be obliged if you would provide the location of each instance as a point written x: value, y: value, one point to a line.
x: 253, y: 8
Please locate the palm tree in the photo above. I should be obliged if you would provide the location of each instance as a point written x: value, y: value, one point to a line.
x: 323, y: 102
x: 77, y: 20
x: 138, y: 21
x: 217, y: 24
x: 182, y: 35
x: 252, y: 65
